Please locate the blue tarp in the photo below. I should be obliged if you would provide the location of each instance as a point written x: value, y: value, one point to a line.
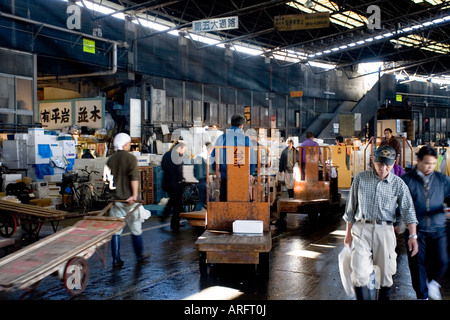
x: 43, y: 170
x: 45, y: 151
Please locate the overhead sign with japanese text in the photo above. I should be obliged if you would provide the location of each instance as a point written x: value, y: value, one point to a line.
x: 158, y: 105
x: 56, y: 115
x: 302, y: 21
x: 89, y: 113
x: 65, y: 113
x: 207, y: 25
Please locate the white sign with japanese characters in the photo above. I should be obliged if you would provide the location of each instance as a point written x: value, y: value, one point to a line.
x: 55, y: 115
x: 89, y: 113
x: 65, y: 113
x: 208, y: 25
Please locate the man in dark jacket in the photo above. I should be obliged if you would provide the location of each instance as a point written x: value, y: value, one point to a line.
x: 429, y: 189
x: 173, y: 182
x: 288, y: 159
x: 201, y: 174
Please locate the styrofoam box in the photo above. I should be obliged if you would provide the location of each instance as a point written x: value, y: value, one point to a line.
x: 34, y: 140
x: 68, y: 148
x: 53, y: 178
x: 248, y: 226
x: 14, y: 150
x: 143, y: 160
x: 33, y: 156
x: 21, y: 136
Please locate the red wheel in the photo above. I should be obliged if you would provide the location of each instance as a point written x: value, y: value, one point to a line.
x: 76, y: 275
x: 8, y: 225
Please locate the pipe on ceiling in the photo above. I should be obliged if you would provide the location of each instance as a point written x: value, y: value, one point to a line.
x: 113, y: 69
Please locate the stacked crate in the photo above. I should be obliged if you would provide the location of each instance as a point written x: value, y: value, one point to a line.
x: 146, y: 184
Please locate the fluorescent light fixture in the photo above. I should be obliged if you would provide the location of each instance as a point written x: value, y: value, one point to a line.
x: 321, y: 65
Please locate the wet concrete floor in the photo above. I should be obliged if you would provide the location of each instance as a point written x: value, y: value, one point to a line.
x: 303, y: 266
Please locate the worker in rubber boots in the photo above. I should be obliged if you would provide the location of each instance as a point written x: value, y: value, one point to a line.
x: 370, y: 213
x: 122, y: 176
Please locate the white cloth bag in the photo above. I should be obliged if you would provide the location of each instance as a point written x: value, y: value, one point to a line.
x: 144, y: 214
x: 345, y: 270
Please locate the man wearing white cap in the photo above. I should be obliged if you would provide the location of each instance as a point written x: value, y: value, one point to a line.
x: 122, y: 175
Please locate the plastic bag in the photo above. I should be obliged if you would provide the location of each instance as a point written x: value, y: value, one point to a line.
x: 345, y: 270
x: 144, y: 214
x: 59, y: 162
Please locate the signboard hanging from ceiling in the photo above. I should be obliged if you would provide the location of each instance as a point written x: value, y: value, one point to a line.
x: 208, y: 25
x: 302, y: 21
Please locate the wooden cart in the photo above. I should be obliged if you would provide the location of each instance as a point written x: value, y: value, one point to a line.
x: 29, y: 217
x: 313, y: 184
x: 247, y: 198
x: 65, y: 252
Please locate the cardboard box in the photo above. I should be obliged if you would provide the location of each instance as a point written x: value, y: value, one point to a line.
x: 44, y: 202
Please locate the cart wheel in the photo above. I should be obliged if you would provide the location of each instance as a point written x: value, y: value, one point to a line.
x: 76, y: 275
x: 86, y: 198
x: 8, y: 225
x: 31, y: 227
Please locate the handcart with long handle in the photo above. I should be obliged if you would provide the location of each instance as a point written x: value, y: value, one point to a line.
x: 65, y: 252
x: 31, y: 218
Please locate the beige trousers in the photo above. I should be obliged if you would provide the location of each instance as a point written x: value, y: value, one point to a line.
x: 373, y: 245
x: 289, y: 179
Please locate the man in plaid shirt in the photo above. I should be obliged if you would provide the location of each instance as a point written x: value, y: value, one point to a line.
x: 370, y: 213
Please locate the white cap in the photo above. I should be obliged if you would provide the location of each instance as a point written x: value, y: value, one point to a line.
x: 120, y: 140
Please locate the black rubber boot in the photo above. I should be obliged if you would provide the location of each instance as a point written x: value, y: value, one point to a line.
x: 139, y: 248
x: 115, y: 250
x: 291, y: 193
x: 384, y: 293
x: 362, y: 293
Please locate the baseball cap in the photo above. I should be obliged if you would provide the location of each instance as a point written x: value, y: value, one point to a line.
x: 385, y: 154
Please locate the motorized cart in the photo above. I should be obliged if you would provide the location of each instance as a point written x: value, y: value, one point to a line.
x: 246, y: 199
x: 65, y: 252
x: 313, y: 184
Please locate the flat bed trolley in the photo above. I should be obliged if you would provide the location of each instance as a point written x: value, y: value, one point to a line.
x: 65, y: 252
x: 29, y: 217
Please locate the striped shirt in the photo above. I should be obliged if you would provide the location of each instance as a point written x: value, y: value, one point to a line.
x: 373, y: 199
